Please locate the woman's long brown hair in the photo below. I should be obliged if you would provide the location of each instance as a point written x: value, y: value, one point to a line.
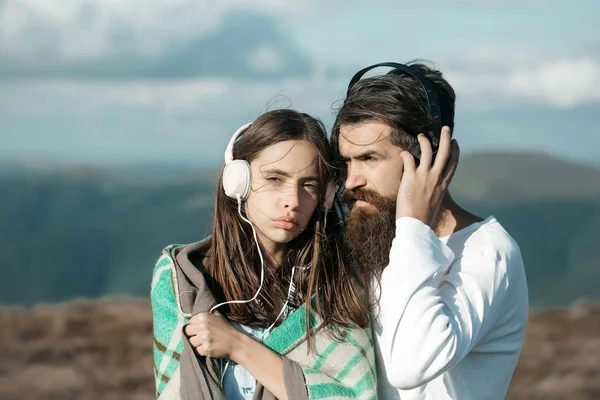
x: 234, y: 263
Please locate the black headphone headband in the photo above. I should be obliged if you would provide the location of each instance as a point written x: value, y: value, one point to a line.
x: 434, y: 114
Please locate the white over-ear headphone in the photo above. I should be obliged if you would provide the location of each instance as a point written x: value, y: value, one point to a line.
x: 236, y: 175
x: 237, y: 179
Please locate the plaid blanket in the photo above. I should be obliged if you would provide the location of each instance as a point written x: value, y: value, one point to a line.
x: 336, y: 370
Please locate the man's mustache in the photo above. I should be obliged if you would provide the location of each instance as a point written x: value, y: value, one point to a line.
x: 351, y: 196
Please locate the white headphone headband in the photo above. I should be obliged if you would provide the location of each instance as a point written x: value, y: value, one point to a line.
x: 229, y: 149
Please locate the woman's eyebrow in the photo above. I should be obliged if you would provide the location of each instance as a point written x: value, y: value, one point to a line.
x: 277, y: 171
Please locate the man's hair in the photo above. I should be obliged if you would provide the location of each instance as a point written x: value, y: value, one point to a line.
x: 397, y: 100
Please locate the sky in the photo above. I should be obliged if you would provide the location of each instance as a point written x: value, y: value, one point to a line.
x: 120, y: 82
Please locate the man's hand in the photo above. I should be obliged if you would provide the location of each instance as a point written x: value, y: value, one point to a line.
x: 422, y: 189
x: 212, y: 335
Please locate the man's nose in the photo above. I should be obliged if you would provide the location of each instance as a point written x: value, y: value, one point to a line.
x: 355, y: 180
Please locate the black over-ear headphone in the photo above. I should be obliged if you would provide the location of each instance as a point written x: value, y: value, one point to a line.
x: 434, y: 114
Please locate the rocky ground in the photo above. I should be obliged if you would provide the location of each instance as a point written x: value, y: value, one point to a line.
x: 103, y: 350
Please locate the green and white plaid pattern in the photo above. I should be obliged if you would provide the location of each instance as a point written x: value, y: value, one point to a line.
x: 168, y: 324
x: 337, y: 370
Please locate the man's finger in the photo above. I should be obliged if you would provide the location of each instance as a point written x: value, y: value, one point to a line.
x: 408, y: 162
x: 452, y: 164
x: 443, y: 153
x: 426, y: 152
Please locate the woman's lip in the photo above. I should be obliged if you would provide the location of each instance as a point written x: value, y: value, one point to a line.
x: 282, y: 224
x: 286, y: 218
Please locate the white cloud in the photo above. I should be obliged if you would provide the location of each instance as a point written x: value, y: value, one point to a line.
x: 133, y: 120
x: 93, y: 99
x: 85, y: 29
x: 560, y: 83
x: 563, y: 83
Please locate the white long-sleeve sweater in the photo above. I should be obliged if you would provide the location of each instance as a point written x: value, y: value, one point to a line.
x: 452, y: 313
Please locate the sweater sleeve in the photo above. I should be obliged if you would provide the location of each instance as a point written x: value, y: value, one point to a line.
x: 434, y: 306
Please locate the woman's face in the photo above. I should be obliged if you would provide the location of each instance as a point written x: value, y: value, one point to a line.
x: 285, y: 191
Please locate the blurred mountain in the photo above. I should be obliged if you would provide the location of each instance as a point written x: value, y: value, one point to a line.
x: 71, y: 231
x: 503, y: 178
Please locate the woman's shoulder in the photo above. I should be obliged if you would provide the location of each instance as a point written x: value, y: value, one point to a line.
x: 198, y: 251
x: 179, y: 273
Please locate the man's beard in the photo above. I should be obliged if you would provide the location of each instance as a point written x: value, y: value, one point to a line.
x: 369, y: 232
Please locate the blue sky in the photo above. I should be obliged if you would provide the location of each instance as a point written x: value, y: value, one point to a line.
x: 121, y: 82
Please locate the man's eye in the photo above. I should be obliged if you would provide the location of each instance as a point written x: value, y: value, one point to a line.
x: 274, y: 179
x: 311, y: 186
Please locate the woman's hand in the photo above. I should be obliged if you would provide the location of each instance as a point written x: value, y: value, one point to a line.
x: 212, y: 335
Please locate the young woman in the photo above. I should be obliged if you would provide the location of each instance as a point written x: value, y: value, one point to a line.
x: 265, y: 307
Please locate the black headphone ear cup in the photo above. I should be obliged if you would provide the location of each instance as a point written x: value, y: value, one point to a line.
x: 329, y: 196
x: 435, y: 126
x: 415, y: 150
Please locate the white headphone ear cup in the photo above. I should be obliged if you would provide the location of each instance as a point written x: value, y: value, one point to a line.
x: 329, y: 196
x: 236, y: 179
